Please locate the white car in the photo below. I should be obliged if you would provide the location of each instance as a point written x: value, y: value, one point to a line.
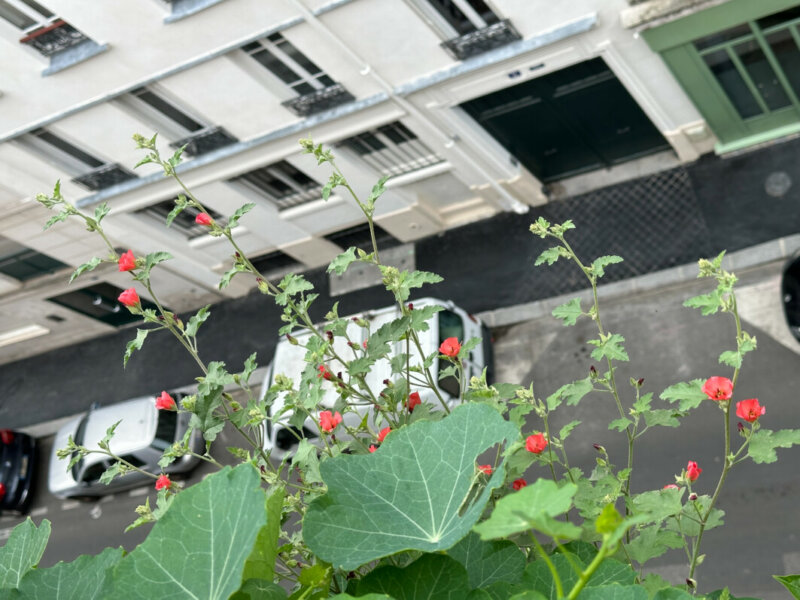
x: 281, y: 439
x: 143, y: 434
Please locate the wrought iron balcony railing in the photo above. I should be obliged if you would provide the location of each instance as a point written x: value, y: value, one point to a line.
x: 205, y: 140
x: 103, y: 177
x: 320, y: 100
x: 51, y: 38
x: 482, y: 40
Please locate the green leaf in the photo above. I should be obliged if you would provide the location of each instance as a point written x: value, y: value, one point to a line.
x: 707, y: 303
x: 22, y: 552
x: 101, y: 211
x: 421, y: 316
x: 610, y: 346
x: 487, y: 562
x: 608, y: 521
x: 658, y: 504
x: 291, y: 285
x: 259, y: 589
x: 84, y: 578
x: 538, y: 576
x: 110, y: 473
x: 731, y: 358
x: 418, y: 491
x: 569, y: 312
x: 340, y: 263
x: 154, y: 258
x: 764, y: 442
x: 688, y: 394
x: 261, y: 562
x: 791, y: 583
x: 210, y: 529
x: 549, y: 256
x: 134, y: 344
x: 233, y: 221
x: 571, y: 392
x: 652, y: 542
x: 225, y: 280
x: 620, y: 424
x: 431, y: 577
x: 180, y: 205
x: 564, y: 432
x: 614, y: 592
x: 672, y: 593
x: 196, y: 320
x: 599, y: 264
x: 532, y: 507
x: 85, y: 267
x: 662, y: 418
x: 305, y: 458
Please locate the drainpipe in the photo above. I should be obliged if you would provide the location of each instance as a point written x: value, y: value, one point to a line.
x: 508, y: 202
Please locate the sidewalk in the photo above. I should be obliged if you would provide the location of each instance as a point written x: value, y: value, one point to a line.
x: 660, y: 224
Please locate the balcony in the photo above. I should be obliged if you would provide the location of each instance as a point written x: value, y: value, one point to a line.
x: 482, y: 40
x: 319, y: 101
x: 54, y: 37
x: 104, y: 177
x: 205, y: 140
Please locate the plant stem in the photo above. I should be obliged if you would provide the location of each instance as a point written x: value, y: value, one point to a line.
x: 556, y: 579
x: 587, y: 573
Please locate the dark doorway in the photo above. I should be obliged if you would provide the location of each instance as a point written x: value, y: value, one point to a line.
x: 574, y: 120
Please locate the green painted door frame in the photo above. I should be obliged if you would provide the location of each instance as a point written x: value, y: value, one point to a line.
x: 674, y: 41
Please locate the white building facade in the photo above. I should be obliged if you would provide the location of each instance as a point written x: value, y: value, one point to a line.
x: 474, y: 107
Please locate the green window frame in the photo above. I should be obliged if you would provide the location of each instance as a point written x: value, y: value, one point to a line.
x: 725, y: 62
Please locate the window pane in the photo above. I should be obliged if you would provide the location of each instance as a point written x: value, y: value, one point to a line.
x: 785, y: 50
x: 298, y: 57
x: 484, y: 11
x: 65, y: 146
x: 167, y: 109
x: 732, y: 83
x: 267, y: 59
x: 450, y: 325
x: 303, y: 88
x: 453, y: 15
x: 325, y: 80
x: 780, y: 17
x: 762, y: 75
x: 14, y: 16
x: 166, y: 429
x: 722, y: 36
x: 38, y: 8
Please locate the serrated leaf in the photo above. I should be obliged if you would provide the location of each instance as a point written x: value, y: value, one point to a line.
x: 147, y: 159
x: 731, y: 358
x: 620, y: 424
x: 196, y: 320
x: 91, y: 265
x: 599, y: 264
x: 291, y: 285
x: 233, y: 221
x: 487, y: 562
x: 564, y: 432
x: 549, y: 256
x: 571, y: 392
x: 658, y: 504
x: 614, y: 592
x: 569, y: 312
x: 134, y: 344
x: 538, y: 576
x: 764, y: 442
x: 532, y: 507
x: 305, y: 458
x: 110, y: 473
x: 84, y: 578
x: 431, y: 577
x: 22, y: 552
x: 210, y: 528
x: 610, y: 347
x: 180, y: 205
x: 62, y: 216
x: 340, y: 263
x: 652, y: 542
x: 791, y: 583
x: 661, y: 417
x: 707, y: 303
x: 154, y: 258
x: 688, y: 394
x: 101, y: 211
x: 225, y: 280
x: 417, y: 492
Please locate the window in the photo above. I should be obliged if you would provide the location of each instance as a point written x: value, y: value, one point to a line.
x: 166, y: 429
x: 283, y: 184
x: 275, y: 264
x: 450, y: 325
x: 99, y: 302
x: 470, y: 27
x: 23, y: 264
x: 392, y: 149
x: 90, y: 171
x: 360, y: 237
x: 190, y: 131
x: 185, y: 221
x: 48, y: 34
x: 316, y: 91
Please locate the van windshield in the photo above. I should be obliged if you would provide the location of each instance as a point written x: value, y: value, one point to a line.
x: 166, y: 429
x: 450, y: 325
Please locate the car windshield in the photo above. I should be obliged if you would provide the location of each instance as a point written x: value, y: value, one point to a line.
x: 450, y: 325
x: 165, y: 430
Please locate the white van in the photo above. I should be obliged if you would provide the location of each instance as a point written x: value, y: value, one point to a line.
x: 289, y: 360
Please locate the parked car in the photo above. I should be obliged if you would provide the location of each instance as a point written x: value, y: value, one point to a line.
x: 17, y: 463
x: 142, y: 435
x: 790, y: 290
x: 289, y: 359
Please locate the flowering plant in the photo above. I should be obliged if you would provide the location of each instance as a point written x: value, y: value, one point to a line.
x: 426, y: 501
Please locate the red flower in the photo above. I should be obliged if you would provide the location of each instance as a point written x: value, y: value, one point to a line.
x: 129, y: 297
x: 485, y: 469
x: 163, y: 482
x: 749, y: 410
x: 693, y: 471
x: 384, y: 432
x: 536, y: 443
x: 372, y: 447
x: 165, y: 401
x: 671, y: 486
x: 718, y: 388
x: 328, y: 422
x: 450, y: 347
x: 413, y: 400
x: 127, y: 262
x: 203, y: 219
x: 325, y: 372
x: 519, y: 484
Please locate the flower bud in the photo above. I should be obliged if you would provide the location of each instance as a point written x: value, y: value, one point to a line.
x: 599, y: 448
x: 640, y: 382
x: 292, y: 340
x: 263, y: 287
x: 188, y: 403
x: 692, y: 497
x: 410, y: 306
x: 740, y: 426
x: 691, y: 583
x: 592, y: 372
x: 330, y: 335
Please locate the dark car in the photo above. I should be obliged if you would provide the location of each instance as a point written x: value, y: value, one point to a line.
x: 17, y: 461
x: 790, y: 288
